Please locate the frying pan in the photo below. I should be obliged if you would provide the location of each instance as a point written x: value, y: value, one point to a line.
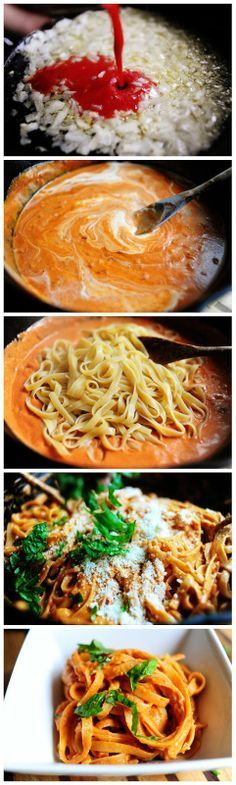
x: 204, y: 492
x: 199, y: 330
x: 189, y: 172
x: 213, y: 26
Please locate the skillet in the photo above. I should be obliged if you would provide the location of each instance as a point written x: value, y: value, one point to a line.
x: 214, y: 26
x: 203, y: 493
x: 187, y: 172
x: 209, y: 331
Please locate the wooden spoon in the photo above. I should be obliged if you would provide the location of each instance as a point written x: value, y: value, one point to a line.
x: 164, y: 351
x: 45, y: 487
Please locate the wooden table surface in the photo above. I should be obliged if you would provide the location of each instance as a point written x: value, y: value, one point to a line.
x: 13, y: 642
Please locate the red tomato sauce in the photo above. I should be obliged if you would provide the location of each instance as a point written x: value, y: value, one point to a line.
x: 99, y: 85
x: 94, y: 84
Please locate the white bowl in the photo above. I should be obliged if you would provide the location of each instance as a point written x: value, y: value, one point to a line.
x: 35, y: 689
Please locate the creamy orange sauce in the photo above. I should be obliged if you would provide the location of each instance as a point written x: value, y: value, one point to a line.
x: 74, y: 242
x: 21, y: 358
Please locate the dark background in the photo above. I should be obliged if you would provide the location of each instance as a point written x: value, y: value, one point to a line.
x: 190, y: 172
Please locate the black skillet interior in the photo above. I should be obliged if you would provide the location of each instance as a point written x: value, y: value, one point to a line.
x: 200, y: 489
x: 190, y: 172
x: 211, y: 22
x: 209, y: 331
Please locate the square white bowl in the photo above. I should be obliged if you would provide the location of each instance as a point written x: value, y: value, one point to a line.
x: 35, y: 689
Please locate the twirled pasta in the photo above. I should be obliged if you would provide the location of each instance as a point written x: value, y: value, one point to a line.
x: 168, y: 723
x: 107, y: 388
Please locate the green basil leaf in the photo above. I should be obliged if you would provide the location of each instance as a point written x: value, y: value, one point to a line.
x: 23, y: 567
x: 115, y: 485
x: 125, y: 607
x: 97, y: 652
x: 140, y: 671
x: 115, y: 696
x: 71, y: 485
x: 152, y: 738
x: 61, y: 521
x: 92, y: 707
x: 35, y: 543
x: 60, y: 549
x: 93, y: 614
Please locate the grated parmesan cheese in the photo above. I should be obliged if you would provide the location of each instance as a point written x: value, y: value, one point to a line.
x: 128, y: 587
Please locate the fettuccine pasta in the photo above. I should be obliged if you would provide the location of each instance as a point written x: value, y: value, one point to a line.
x: 107, y: 390
x: 107, y: 717
x: 175, y: 562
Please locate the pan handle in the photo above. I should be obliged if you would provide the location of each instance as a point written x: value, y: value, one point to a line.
x: 10, y: 42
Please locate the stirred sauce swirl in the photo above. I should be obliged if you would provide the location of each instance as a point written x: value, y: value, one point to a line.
x: 75, y: 244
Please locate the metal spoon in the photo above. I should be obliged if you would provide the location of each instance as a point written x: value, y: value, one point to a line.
x: 148, y: 218
x: 164, y: 351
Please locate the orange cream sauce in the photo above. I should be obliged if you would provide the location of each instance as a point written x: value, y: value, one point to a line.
x: 21, y: 358
x: 74, y: 243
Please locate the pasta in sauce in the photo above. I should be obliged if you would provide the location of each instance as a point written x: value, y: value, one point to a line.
x: 107, y: 388
x: 95, y: 721
x: 207, y: 399
x: 174, y: 562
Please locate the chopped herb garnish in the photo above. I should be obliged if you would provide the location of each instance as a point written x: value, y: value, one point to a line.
x: 115, y: 485
x: 71, y: 486
x: 112, y: 526
x: 125, y: 607
x: 115, y: 696
x: 97, y: 652
x: 94, y: 548
x: 60, y: 549
x: 94, y: 706
x: 61, y: 521
x: 114, y: 533
x: 24, y: 565
x: 140, y: 671
x: 93, y: 614
x: 152, y: 738
x: 92, y: 501
x: 132, y: 475
x: 35, y: 543
x: 100, y: 487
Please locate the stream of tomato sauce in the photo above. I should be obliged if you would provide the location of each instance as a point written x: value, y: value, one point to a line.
x: 100, y: 85
x: 114, y: 13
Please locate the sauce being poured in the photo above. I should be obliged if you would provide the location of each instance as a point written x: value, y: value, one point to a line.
x: 99, y: 85
x: 93, y: 84
x: 114, y: 12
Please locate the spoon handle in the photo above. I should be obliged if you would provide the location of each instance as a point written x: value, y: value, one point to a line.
x: 192, y: 192
x: 163, y: 351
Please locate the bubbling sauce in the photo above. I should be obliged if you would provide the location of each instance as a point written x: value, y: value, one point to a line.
x: 75, y: 244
